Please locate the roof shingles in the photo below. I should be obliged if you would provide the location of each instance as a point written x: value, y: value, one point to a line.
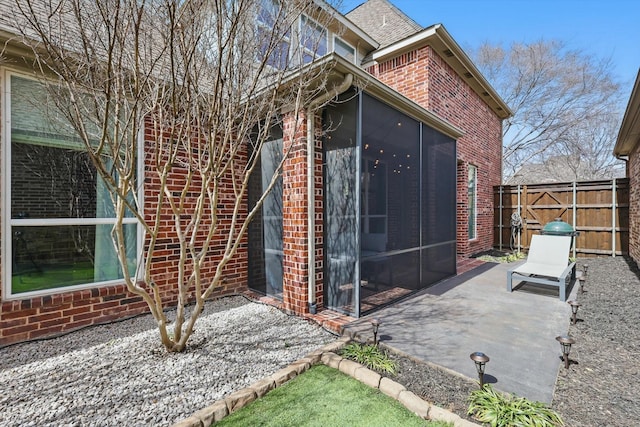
x: 383, y: 21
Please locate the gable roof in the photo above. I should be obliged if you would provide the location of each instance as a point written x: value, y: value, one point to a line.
x: 383, y: 21
x: 629, y: 135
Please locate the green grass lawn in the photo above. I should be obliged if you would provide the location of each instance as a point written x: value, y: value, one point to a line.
x: 324, y: 396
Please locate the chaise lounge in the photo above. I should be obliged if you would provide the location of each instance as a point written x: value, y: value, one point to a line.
x: 547, y: 264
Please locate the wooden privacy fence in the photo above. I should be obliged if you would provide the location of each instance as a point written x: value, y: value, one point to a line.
x: 598, y: 210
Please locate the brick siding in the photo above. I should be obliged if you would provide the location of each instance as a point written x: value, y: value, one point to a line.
x: 49, y: 315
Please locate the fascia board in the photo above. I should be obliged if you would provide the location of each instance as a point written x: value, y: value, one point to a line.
x: 629, y: 134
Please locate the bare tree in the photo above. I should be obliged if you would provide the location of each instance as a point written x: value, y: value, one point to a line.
x: 564, y: 101
x: 203, y: 81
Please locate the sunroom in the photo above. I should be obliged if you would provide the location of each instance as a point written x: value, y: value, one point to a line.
x: 388, y: 210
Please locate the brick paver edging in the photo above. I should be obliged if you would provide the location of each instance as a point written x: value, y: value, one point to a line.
x: 327, y: 355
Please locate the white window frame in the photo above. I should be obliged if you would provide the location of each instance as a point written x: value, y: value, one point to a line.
x: 306, y: 20
x: 337, y: 40
x: 262, y: 25
x: 472, y: 211
x: 8, y: 222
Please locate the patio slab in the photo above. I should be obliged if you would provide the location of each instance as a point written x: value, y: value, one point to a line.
x: 473, y: 311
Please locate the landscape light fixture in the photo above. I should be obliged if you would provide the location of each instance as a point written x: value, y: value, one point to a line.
x: 585, y: 269
x: 375, y: 324
x: 480, y: 359
x: 581, y: 279
x: 565, y: 343
x: 575, y: 305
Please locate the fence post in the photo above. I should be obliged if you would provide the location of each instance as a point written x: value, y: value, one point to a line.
x: 522, y: 208
x: 500, y: 214
x: 613, y: 218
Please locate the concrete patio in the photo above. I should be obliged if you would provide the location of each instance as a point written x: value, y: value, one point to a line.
x: 472, y: 312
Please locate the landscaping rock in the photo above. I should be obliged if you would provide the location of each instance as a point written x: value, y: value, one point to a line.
x: 119, y: 374
x: 414, y: 403
x: 367, y: 376
x: 239, y: 399
x: 391, y: 388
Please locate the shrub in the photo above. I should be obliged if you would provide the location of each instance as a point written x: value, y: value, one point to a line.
x: 370, y: 356
x: 497, y: 409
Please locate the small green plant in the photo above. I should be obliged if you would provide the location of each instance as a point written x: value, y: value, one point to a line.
x: 513, y: 257
x: 497, y: 409
x: 516, y: 256
x: 370, y: 356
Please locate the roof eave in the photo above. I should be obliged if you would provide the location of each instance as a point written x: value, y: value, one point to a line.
x: 376, y: 88
x: 345, y: 22
x: 441, y: 41
x: 629, y: 134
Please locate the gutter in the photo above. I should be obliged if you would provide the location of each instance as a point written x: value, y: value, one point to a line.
x: 311, y: 208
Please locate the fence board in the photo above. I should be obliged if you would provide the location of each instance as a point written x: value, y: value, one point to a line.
x: 599, y: 210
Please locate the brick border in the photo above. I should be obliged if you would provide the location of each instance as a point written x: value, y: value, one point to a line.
x: 326, y: 355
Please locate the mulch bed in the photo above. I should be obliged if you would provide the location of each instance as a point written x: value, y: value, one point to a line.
x: 602, y: 385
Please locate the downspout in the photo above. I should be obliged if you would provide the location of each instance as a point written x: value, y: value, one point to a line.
x: 311, y: 208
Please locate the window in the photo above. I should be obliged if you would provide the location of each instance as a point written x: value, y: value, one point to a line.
x: 344, y: 49
x: 57, y: 211
x: 472, y: 200
x: 313, y: 40
x: 274, y: 44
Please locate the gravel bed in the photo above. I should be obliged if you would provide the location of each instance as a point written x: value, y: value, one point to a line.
x: 119, y: 374
x: 602, y: 385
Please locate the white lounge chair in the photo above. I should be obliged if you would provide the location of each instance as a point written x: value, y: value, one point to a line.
x: 547, y: 264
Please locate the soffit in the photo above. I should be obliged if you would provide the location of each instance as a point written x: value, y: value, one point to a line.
x: 629, y: 134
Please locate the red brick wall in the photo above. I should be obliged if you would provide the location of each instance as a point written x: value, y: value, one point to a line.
x: 427, y: 79
x: 49, y: 315
x: 319, y: 213
x: 633, y: 172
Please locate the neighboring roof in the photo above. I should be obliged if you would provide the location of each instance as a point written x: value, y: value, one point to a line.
x: 559, y: 169
x: 383, y: 21
x: 629, y: 135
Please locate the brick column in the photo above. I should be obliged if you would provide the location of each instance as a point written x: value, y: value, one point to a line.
x: 294, y: 216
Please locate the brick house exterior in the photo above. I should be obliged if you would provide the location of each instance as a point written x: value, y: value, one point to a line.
x: 628, y: 148
x: 419, y: 71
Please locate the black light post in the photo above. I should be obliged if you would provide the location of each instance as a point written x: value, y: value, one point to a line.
x: 565, y: 344
x: 574, y: 310
x: 480, y: 359
x: 375, y: 324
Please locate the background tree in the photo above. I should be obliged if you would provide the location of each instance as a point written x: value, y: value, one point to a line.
x: 204, y: 81
x: 565, y: 103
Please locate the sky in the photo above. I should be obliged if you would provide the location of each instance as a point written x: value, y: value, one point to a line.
x: 601, y: 28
